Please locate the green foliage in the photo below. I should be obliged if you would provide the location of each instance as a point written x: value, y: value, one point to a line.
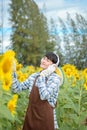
x: 22, y: 105
x: 71, y: 109
x: 6, y: 119
x: 73, y: 43
x: 30, y: 38
x: 72, y: 106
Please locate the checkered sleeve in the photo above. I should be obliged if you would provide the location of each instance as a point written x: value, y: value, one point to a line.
x: 19, y: 86
x: 47, y: 90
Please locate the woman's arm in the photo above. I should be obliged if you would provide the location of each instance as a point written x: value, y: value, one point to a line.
x: 19, y: 86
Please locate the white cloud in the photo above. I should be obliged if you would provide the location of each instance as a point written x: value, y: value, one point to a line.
x: 62, y: 13
x: 50, y: 4
x: 55, y: 8
x: 53, y: 5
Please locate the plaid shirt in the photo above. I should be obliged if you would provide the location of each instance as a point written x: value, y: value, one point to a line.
x: 47, y: 90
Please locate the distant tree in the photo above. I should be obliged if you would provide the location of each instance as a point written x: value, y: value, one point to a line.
x: 30, y: 37
x: 53, y: 31
x: 74, y: 40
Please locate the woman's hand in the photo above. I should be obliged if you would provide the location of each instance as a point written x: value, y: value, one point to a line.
x: 49, y: 70
x: 13, y: 66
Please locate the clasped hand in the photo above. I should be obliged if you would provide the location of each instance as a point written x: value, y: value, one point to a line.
x: 49, y: 70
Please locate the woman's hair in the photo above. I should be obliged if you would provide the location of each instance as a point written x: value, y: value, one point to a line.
x: 53, y: 57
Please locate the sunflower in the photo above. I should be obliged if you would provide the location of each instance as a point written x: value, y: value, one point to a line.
x: 12, y: 104
x: 7, y: 81
x: 60, y: 74
x: 9, y: 53
x: 6, y: 63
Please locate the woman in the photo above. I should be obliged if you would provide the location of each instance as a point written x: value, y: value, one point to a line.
x: 43, y: 87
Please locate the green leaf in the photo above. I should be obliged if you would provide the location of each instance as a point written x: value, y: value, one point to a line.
x: 5, y: 113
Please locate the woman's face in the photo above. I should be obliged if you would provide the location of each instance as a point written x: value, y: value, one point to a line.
x: 45, y: 62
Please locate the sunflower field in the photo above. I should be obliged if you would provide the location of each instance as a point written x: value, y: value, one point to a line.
x: 72, y: 100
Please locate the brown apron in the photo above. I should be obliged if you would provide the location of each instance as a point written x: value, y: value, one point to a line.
x: 39, y: 115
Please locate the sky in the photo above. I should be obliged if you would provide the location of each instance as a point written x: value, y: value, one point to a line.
x: 55, y: 8
x: 51, y: 9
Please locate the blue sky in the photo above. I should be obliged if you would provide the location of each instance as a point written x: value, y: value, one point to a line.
x: 54, y: 8
x: 61, y: 4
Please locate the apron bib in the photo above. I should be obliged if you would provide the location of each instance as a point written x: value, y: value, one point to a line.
x: 39, y: 115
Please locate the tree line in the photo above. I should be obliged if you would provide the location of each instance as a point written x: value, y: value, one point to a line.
x: 32, y: 36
